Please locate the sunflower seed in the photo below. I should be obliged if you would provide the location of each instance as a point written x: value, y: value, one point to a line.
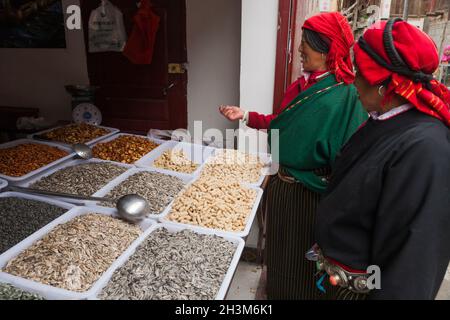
x: 157, y: 188
x: 180, y: 266
x: 74, y: 255
x: 82, y: 179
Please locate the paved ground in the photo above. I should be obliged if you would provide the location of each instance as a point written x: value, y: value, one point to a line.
x: 245, y: 282
x: 444, y: 294
x: 247, y: 276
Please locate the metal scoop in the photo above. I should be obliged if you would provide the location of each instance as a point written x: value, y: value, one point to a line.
x: 131, y: 207
x: 83, y: 151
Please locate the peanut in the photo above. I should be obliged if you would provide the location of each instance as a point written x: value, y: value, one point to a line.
x: 175, y: 160
x: 234, y: 165
x: 196, y: 206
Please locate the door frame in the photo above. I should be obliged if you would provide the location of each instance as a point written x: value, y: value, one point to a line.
x: 287, y: 10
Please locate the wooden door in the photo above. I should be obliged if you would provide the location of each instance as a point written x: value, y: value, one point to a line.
x: 136, y: 98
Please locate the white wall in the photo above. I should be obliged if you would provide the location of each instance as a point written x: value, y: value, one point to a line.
x: 213, y: 48
x: 36, y: 77
x: 258, y: 53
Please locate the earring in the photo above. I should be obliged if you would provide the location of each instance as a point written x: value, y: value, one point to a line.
x: 379, y: 91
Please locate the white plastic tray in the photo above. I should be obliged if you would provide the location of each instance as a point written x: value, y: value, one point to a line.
x: 124, y: 176
x: 172, y: 228
x: 242, y: 234
x: 19, y: 195
x: 266, y: 158
x: 160, y: 142
x: 54, y: 293
x: 3, y: 184
x: 195, y: 152
x: 112, y: 132
x: 41, y: 169
x: 29, y: 182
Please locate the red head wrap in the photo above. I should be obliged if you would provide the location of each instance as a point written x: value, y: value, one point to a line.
x: 419, y: 53
x: 335, y: 27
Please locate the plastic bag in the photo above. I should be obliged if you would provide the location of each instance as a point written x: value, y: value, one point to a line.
x: 106, y: 29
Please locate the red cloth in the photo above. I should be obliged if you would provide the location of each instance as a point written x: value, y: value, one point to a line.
x: 335, y: 27
x: 262, y: 121
x: 140, y: 46
x: 420, y: 53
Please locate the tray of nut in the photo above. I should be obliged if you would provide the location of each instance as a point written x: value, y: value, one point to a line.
x: 181, y: 157
x: 125, y: 148
x: 237, y: 165
x: 24, y: 158
x: 224, y: 205
x: 75, y: 133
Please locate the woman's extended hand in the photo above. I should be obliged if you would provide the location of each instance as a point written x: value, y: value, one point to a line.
x: 232, y: 113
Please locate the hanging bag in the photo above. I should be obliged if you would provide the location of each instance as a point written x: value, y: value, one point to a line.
x: 106, y: 29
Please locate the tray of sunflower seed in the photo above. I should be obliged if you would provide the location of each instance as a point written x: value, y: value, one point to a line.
x: 75, y: 133
x: 67, y: 258
x: 159, y: 188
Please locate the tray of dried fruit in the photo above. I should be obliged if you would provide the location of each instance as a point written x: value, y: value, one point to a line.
x: 158, y: 187
x: 80, y: 177
x: 69, y: 258
x: 181, y: 157
x: 223, y: 206
x: 75, y: 133
x: 173, y: 263
x: 125, y: 148
x: 24, y: 158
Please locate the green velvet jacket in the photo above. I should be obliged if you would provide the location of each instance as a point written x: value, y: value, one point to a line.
x: 314, y: 127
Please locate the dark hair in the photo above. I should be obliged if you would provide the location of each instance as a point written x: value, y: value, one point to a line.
x: 316, y: 41
x: 397, y: 65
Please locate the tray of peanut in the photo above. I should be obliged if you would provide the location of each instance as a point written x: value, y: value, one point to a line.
x: 225, y: 206
x: 181, y: 157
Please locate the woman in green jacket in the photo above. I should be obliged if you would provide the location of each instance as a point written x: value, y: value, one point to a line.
x: 312, y: 129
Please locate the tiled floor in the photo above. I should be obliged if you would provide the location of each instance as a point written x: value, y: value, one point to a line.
x: 246, y: 280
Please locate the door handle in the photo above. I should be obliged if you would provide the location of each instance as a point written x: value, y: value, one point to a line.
x: 166, y: 89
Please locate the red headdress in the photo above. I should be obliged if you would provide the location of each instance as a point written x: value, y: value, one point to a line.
x: 399, y: 51
x: 335, y: 27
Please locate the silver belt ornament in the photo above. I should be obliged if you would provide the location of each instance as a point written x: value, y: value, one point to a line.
x: 355, y: 282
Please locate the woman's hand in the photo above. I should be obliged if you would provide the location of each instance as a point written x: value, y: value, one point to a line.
x: 232, y: 113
